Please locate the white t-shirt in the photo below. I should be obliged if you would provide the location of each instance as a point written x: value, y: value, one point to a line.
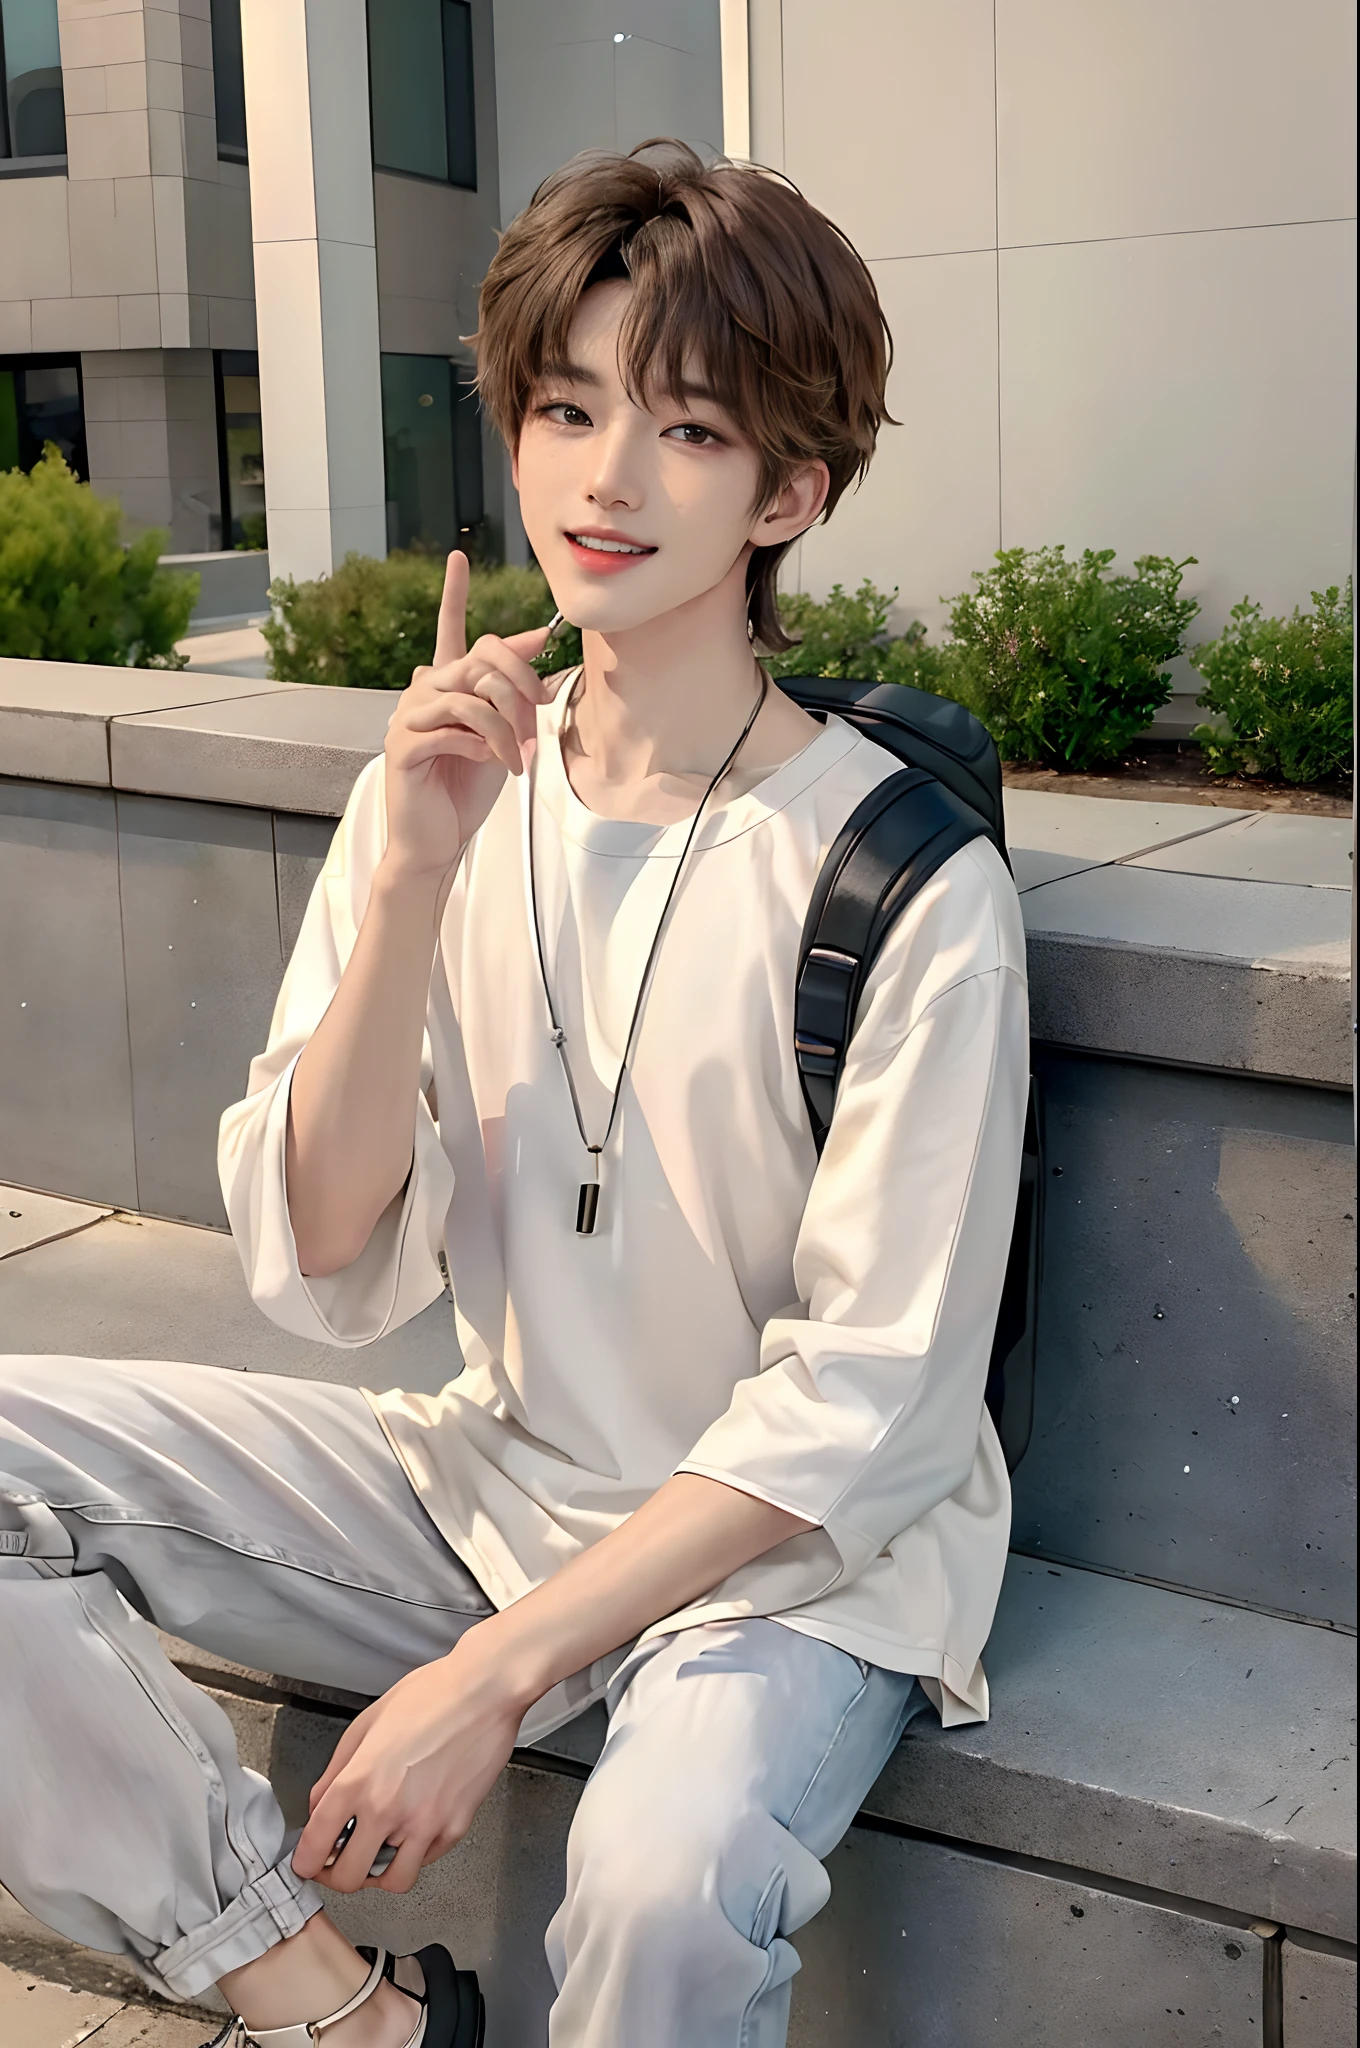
x: 815, y: 1334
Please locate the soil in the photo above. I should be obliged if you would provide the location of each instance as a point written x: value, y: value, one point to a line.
x: 1173, y: 772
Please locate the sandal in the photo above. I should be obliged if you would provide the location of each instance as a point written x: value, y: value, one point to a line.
x: 452, y: 2009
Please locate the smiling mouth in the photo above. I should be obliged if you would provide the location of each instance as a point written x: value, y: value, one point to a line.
x: 595, y: 544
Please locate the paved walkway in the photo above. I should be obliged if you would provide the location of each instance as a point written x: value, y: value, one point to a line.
x: 55, y: 1996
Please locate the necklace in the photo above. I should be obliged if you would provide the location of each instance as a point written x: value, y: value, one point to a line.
x: 588, y: 1195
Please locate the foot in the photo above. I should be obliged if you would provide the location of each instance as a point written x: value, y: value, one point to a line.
x: 386, y: 2020
x: 316, y: 1972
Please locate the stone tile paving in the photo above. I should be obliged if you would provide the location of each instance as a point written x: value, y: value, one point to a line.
x: 56, y: 1995
x: 37, y: 2014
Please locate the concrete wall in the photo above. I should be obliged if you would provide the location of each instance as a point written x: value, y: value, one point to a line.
x: 582, y: 74
x: 1115, y: 245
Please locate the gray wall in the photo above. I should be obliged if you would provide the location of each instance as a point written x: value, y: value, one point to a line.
x: 1115, y: 245
x: 135, y: 1032
x: 563, y: 82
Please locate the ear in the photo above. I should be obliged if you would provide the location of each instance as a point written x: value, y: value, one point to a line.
x: 514, y: 464
x: 793, y: 509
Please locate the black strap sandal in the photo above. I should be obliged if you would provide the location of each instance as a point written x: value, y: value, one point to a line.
x: 452, y: 2009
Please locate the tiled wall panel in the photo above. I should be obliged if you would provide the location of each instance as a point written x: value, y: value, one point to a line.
x: 1151, y: 117
x: 1194, y: 398
x: 1171, y: 192
x: 889, y: 121
x: 66, y: 1106
x: 929, y: 513
x: 1194, y: 1416
x: 1319, y: 1998
x: 922, y: 1943
x: 300, y: 849
x: 200, y: 919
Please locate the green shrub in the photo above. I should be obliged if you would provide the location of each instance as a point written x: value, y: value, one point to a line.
x: 371, y: 622
x: 1062, y: 662
x: 847, y: 636
x: 69, y: 589
x: 1284, y: 685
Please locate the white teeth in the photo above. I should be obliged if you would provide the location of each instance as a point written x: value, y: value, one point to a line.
x: 607, y: 547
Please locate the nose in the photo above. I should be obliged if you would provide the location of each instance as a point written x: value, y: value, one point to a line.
x: 615, y: 482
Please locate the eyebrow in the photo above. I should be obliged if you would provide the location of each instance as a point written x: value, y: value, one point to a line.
x: 568, y: 372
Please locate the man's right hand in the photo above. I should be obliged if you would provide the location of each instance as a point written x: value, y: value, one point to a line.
x: 458, y: 729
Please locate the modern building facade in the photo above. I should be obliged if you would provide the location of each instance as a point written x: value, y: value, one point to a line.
x: 240, y: 244
x: 241, y: 241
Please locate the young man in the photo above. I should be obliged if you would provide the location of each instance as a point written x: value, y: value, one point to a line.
x: 719, y: 1454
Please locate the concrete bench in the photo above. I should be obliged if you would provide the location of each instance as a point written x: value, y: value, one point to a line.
x: 1153, y: 1838
x: 1162, y: 1794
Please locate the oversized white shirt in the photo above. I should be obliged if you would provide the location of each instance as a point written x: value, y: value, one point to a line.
x: 816, y: 1334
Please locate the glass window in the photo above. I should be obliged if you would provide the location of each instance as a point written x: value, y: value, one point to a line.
x: 432, y: 443
x: 32, y: 109
x: 460, y: 113
x: 40, y: 401
x: 240, y: 448
x: 421, y: 89
x: 229, y: 80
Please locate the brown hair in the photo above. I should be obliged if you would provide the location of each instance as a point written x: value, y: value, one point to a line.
x: 736, y: 275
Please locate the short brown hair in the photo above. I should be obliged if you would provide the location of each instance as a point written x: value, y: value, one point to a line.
x: 735, y: 273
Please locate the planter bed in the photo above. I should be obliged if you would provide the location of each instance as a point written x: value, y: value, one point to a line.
x: 1175, y: 771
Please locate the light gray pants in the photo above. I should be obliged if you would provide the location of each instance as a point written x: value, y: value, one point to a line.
x: 266, y: 1519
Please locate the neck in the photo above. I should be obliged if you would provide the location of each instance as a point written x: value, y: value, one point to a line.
x: 667, y: 698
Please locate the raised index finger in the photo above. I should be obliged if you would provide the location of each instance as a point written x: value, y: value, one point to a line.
x: 450, y: 640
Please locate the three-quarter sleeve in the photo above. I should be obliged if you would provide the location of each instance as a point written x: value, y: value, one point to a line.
x: 397, y: 1273
x: 868, y: 1407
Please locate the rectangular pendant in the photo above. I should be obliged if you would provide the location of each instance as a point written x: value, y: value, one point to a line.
x: 587, y: 1207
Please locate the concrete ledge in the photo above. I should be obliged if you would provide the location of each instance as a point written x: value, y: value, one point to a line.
x: 55, y: 715
x: 1141, y: 1736
x: 231, y: 581
x: 296, y: 749
x: 1158, y: 1739
x: 1192, y: 934
x: 1192, y: 1009
x: 1198, y: 936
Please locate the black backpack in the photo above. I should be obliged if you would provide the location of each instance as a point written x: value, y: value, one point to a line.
x: 948, y: 792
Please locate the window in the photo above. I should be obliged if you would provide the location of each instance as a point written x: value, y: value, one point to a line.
x: 32, y: 109
x: 40, y: 401
x: 229, y: 80
x: 420, y: 83
x: 432, y: 447
x: 240, y: 445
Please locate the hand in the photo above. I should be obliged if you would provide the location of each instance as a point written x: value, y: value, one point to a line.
x: 413, y: 1770
x: 457, y: 730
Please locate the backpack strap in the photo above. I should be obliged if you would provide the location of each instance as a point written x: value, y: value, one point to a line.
x: 889, y: 847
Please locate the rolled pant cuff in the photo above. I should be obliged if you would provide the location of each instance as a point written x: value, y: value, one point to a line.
x: 263, y: 1913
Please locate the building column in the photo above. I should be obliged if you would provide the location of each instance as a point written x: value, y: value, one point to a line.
x: 151, y: 435
x: 316, y: 281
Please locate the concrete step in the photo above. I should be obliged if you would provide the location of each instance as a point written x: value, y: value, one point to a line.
x: 1163, y: 1798
x: 1198, y: 1311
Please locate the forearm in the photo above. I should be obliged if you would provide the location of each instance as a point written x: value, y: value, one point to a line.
x: 351, y: 1128
x: 690, y: 1536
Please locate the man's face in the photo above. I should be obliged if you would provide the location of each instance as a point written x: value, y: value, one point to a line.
x: 632, y: 510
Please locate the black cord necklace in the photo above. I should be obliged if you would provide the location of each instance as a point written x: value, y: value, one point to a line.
x: 588, y: 1195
